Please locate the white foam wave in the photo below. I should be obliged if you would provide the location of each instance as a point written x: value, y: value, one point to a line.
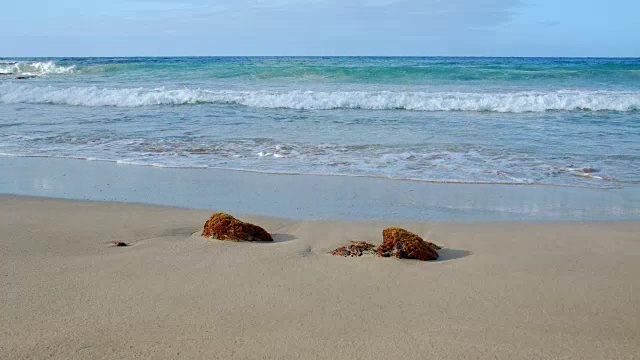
x: 34, y: 68
x: 514, y: 102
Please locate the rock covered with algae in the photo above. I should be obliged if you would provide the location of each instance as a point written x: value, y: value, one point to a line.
x: 406, y: 245
x: 222, y: 226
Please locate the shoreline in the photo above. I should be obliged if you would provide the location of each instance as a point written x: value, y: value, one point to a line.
x: 373, y: 222
x: 618, y: 184
x: 311, y: 196
x: 512, y: 290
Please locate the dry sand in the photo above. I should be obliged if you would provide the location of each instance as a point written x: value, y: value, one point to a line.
x: 501, y: 290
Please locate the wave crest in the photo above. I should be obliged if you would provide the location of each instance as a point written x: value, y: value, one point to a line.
x: 512, y: 102
x: 34, y: 68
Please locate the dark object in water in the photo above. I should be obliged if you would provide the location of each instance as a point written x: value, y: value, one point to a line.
x: 589, y: 170
x: 26, y: 76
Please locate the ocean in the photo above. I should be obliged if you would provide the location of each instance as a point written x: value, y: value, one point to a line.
x: 545, y: 121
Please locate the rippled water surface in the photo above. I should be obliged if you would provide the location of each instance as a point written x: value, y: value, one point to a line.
x: 480, y: 120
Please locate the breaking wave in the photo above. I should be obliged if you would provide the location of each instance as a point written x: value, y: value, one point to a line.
x: 33, y: 68
x: 510, y: 102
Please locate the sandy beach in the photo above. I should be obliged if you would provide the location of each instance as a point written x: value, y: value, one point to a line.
x: 339, y: 180
x: 502, y: 290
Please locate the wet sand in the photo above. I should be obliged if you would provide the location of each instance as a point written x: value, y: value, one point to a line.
x: 311, y: 196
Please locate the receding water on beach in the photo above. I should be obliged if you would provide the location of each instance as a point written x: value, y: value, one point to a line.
x: 573, y: 122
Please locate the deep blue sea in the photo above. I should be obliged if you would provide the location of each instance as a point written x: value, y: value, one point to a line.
x: 552, y: 121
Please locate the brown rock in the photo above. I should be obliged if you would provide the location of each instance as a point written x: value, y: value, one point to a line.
x: 223, y: 226
x: 357, y: 248
x: 118, y: 243
x: 404, y: 244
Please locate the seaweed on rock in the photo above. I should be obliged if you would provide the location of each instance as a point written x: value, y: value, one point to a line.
x: 222, y: 226
x: 407, y: 245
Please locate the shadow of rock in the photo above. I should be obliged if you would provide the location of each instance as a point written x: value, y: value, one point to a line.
x: 447, y: 254
x: 280, y: 238
x: 277, y: 238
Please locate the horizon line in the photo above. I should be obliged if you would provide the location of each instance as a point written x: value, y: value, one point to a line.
x: 323, y: 56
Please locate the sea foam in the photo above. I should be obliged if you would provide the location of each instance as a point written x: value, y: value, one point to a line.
x: 34, y: 68
x: 508, y: 102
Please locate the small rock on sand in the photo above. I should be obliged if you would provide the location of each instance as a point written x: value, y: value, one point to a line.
x: 407, y: 245
x: 223, y: 226
x: 357, y: 248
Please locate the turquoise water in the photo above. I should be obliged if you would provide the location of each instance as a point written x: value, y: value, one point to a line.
x: 572, y: 122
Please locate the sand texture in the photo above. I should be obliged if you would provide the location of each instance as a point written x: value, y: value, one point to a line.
x: 498, y: 291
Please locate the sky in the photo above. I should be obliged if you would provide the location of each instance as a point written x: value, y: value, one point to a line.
x: 321, y: 27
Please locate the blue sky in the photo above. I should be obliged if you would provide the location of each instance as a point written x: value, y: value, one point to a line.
x: 320, y: 27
